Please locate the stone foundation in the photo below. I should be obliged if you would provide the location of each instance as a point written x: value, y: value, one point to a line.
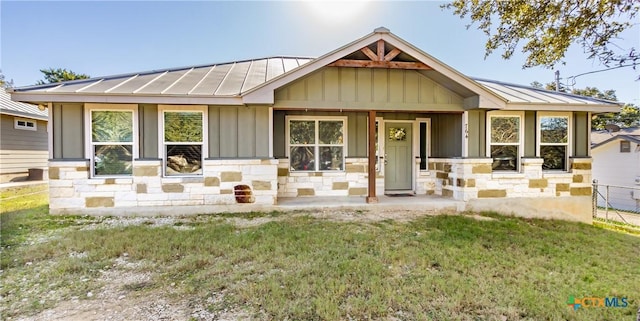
x: 353, y: 181
x: 73, y: 192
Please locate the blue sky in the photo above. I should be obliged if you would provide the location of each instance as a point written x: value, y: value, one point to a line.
x: 107, y: 38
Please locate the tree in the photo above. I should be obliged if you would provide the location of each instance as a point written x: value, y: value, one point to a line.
x: 57, y: 75
x: 5, y: 83
x: 549, y: 27
x: 629, y: 115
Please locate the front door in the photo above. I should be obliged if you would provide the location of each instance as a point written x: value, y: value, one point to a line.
x: 397, y: 169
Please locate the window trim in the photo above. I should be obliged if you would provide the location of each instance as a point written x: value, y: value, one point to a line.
x: 626, y: 149
x: 344, y: 119
x: 520, y: 144
x: 16, y: 124
x: 205, y: 134
x: 569, y: 143
x: 89, y: 138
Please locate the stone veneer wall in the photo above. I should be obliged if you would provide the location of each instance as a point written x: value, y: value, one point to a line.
x: 530, y: 193
x: 353, y: 181
x: 465, y: 179
x: 72, y: 191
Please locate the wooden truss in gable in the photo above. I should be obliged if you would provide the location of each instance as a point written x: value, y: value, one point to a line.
x: 380, y: 59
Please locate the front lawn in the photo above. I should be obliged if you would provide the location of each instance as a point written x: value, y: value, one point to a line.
x: 298, y: 267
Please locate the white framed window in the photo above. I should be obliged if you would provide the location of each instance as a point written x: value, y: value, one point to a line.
x: 183, y: 130
x: 505, y: 140
x: 112, y: 139
x: 24, y: 124
x: 424, y: 150
x: 316, y: 143
x: 554, y: 137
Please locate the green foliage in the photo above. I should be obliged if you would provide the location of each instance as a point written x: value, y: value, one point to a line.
x: 5, y: 83
x: 548, y: 28
x: 60, y: 74
x: 182, y: 127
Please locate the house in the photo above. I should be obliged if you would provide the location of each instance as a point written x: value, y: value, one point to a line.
x: 373, y: 117
x: 23, y: 140
x: 616, y: 162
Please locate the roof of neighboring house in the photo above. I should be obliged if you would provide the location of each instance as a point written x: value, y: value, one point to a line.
x: 602, y: 137
x: 254, y: 81
x: 10, y: 107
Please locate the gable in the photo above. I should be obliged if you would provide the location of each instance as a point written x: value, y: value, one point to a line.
x: 368, y: 88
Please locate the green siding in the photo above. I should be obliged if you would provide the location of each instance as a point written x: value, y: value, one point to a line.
x: 581, y: 134
x: 241, y: 132
x: 148, y: 129
x: 68, y: 131
x: 477, y: 131
x: 368, y: 89
x: 446, y: 135
x: 530, y: 131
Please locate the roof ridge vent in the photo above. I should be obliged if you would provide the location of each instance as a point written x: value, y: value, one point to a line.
x: 381, y: 30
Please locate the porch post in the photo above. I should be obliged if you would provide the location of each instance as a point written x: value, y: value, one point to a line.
x: 371, y: 197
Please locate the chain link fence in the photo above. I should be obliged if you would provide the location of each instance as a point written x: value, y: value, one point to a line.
x: 616, y: 203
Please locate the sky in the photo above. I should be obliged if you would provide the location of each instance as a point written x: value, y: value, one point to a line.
x: 109, y: 38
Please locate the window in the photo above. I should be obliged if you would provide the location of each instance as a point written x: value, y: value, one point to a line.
x: 625, y: 146
x: 20, y: 123
x: 553, y: 137
x: 111, y: 142
x: 183, y: 147
x: 316, y: 144
x: 425, y: 128
x: 505, y: 141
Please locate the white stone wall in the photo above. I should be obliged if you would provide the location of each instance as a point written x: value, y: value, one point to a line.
x: 71, y: 189
x: 353, y: 181
x: 466, y: 179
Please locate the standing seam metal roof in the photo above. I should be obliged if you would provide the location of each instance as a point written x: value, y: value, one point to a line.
x: 232, y: 79
x: 225, y: 79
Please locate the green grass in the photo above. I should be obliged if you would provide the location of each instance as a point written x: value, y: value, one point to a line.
x: 301, y: 268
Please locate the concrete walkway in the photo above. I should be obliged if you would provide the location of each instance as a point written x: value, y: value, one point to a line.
x: 618, y: 216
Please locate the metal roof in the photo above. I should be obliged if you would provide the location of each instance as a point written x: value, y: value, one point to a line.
x: 223, y: 80
x: 520, y: 94
x: 254, y: 82
x: 10, y: 107
x: 602, y: 137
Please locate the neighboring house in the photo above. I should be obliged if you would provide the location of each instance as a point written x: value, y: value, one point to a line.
x: 375, y: 116
x: 616, y: 162
x: 23, y: 140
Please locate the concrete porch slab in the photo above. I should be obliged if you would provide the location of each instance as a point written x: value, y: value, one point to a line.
x: 399, y: 203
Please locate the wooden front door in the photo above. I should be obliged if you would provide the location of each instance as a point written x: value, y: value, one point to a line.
x: 397, y: 169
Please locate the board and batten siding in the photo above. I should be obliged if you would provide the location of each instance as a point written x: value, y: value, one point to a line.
x: 20, y: 149
x: 581, y: 132
x: 234, y: 131
x: 368, y: 89
x: 68, y: 131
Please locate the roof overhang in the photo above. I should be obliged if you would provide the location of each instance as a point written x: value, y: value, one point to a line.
x: 593, y: 108
x: 21, y: 114
x: 124, y: 99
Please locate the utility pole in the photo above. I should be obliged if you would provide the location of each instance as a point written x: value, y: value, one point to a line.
x: 557, y: 80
